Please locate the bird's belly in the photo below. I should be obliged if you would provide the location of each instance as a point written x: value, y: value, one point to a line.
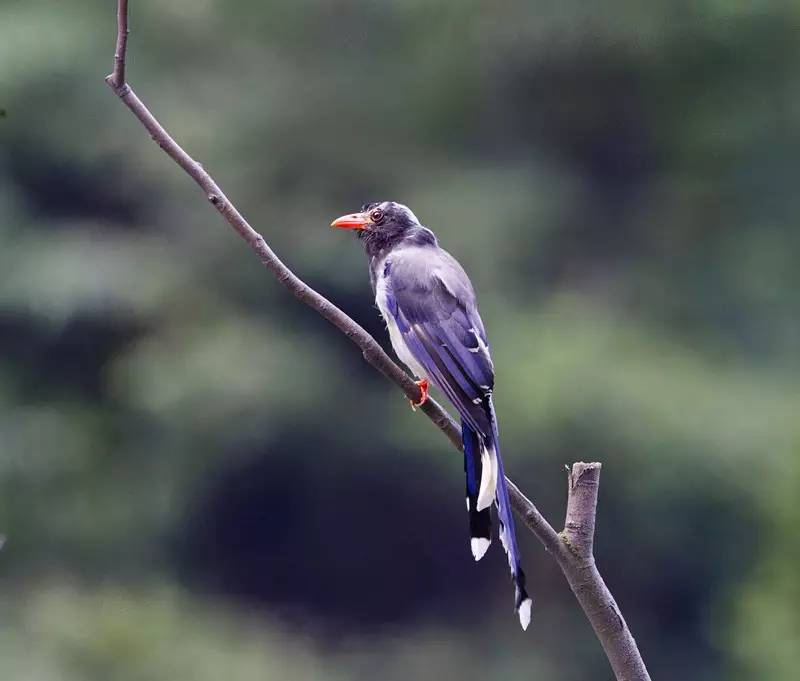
x: 399, y: 345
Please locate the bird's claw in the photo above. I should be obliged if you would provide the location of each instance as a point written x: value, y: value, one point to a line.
x: 423, y: 387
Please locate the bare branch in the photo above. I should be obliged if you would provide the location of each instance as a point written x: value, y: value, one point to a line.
x: 121, y: 53
x: 572, y: 549
x: 578, y: 565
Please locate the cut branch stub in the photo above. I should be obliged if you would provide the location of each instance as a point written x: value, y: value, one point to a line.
x: 583, y: 483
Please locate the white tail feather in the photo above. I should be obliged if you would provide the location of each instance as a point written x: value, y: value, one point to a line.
x: 525, y: 613
x: 488, y: 479
x: 479, y: 546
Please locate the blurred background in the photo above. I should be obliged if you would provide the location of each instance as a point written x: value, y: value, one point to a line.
x: 200, y: 477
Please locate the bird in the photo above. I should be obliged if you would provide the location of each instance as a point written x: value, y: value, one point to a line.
x: 429, y: 306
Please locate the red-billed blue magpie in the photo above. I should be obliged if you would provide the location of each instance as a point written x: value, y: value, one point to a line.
x: 429, y: 307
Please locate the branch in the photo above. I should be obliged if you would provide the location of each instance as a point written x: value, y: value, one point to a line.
x: 118, y: 76
x: 572, y: 549
x: 576, y: 560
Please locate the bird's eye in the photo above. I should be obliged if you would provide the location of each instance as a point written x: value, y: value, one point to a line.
x: 376, y: 216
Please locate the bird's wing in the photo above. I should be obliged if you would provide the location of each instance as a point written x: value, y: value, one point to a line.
x: 433, y: 304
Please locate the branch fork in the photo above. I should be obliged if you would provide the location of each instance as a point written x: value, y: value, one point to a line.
x: 572, y: 548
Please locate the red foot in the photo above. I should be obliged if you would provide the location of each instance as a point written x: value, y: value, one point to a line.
x: 423, y: 386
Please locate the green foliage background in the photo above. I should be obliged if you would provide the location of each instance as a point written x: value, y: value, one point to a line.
x: 199, y: 478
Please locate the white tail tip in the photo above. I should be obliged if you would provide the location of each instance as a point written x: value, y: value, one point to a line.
x: 525, y: 613
x: 479, y: 546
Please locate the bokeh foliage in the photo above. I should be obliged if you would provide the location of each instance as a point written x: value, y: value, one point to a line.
x: 199, y: 477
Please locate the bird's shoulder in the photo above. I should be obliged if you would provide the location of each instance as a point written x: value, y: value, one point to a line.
x: 429, y: 285
x: 424, y: 269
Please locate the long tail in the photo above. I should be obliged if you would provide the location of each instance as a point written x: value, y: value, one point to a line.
x: 480, y: 521
x: 508, y: 536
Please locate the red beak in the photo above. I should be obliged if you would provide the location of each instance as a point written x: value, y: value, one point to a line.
x: 352, y: 221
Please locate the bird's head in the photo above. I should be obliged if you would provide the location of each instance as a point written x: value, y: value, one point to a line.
x: 381, y: 225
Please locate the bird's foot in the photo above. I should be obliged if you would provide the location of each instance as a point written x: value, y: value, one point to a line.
x: 423, y: 387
